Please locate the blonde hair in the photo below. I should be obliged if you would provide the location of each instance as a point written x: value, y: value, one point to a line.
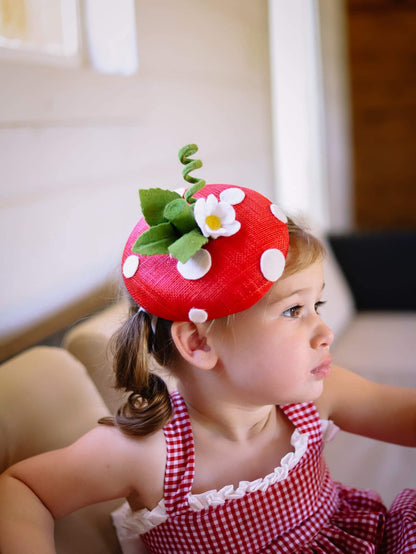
x: 137, y: 345
x: 304, y: 248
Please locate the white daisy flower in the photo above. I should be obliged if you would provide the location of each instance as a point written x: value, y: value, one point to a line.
x: 215, y: 218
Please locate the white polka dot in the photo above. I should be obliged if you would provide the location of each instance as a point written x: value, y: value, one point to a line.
x: 130, y: 266
x: 278, y: 213
x: 197, y: 266
x: 232, y: 196
x: 197, y: 316
x: 272, y: 264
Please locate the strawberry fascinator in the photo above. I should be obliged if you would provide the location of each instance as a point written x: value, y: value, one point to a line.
x: 212, y: 251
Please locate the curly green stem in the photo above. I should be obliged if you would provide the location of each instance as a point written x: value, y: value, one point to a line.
x: 190, y: 165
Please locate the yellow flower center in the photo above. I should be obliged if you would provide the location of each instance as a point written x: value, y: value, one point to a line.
x: 213, y: 222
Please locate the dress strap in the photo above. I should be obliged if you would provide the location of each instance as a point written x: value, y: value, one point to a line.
x: 180, y: 459
x: 305, y: 418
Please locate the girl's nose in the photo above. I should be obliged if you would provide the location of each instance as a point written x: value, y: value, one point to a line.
x: 323, y: 336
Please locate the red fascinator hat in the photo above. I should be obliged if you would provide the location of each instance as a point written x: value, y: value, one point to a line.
x: 210, y: 253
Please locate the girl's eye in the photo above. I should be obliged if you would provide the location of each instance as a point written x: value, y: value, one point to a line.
x: 296, y: 311
x: 293, y: 311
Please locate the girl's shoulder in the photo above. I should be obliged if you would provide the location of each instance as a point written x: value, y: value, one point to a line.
x: 139, y: 462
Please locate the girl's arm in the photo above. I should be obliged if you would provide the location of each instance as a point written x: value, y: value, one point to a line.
x: 101, y: 465
x: 25, y: 524
x: 365, y: 408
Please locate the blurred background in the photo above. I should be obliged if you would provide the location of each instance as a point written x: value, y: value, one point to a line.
x: 311, y: 102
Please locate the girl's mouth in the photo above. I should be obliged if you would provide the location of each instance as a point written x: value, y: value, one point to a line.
x: 322, y: 370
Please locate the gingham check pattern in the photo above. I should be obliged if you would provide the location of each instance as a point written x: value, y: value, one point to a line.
x: 306, y: 513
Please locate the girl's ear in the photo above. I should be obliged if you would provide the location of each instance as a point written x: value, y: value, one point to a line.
x: 194, y: 344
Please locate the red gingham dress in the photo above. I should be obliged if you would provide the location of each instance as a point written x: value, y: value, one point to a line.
x: 306, y: 512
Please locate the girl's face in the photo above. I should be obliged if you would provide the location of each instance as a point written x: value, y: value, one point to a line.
x: 277, y: 351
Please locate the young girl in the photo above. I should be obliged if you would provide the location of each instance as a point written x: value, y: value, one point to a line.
x: 226, y: 295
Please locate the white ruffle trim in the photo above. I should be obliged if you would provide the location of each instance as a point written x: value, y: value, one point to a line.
x: 129, y: 524
x: 298, y: 440
x: 329, y: 430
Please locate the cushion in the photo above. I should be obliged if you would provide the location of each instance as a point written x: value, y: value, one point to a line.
x: 47, y: 401
x: 88, y: 342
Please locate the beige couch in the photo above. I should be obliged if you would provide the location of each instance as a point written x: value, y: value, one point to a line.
x: 50, y: 396
x: 47, y: 401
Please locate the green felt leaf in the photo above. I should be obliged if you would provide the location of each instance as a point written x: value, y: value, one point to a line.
x: 174, y: 209
x: 181, y: 215
x: 186, y: 246
x: 153, y: 202
x: 156, y: 240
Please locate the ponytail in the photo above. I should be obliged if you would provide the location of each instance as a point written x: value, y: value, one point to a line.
x: 139, y: 341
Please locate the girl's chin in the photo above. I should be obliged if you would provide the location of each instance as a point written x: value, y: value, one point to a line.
x: 313, y: 394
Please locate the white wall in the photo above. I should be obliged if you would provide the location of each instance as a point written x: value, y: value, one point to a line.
x: 311, y: 112
x: 298, y: 119
x: 75, y: 146
x: 337, y: 113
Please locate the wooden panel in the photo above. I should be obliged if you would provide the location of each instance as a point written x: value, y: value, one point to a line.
x: 383, y: 84
x: 380, y: 4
